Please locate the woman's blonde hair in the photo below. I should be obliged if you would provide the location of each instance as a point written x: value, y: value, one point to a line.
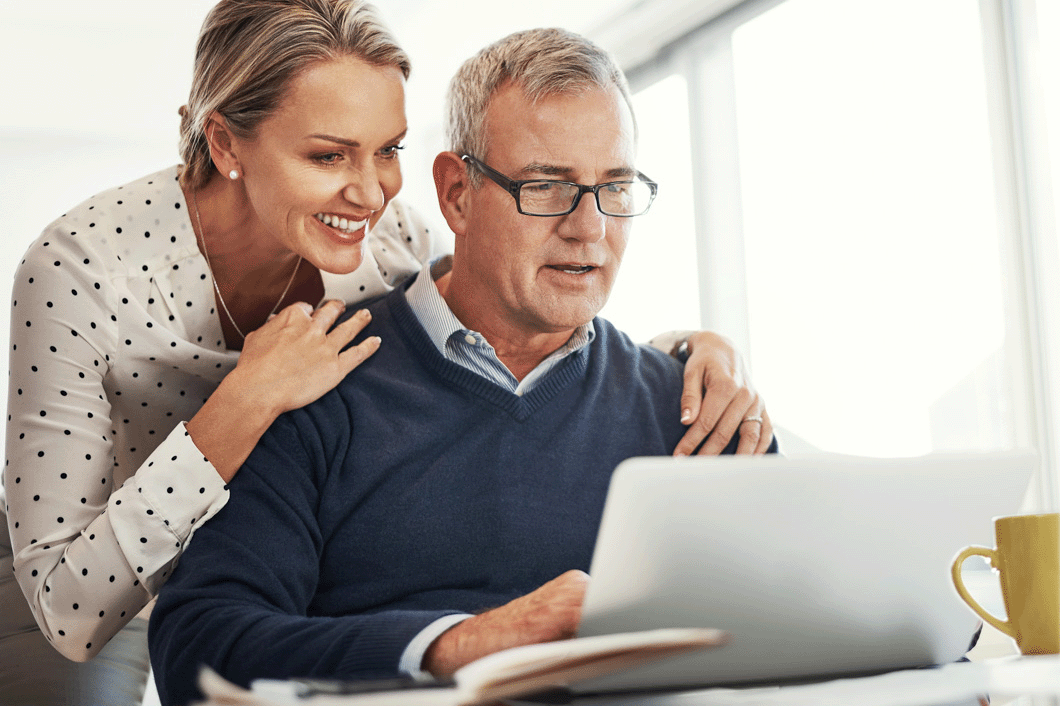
x: 542, y: 62
x: 249, y: 51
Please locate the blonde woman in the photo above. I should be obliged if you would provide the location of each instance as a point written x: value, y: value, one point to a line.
x: 159, y: 328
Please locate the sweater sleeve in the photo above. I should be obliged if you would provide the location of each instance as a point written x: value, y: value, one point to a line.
x: 240, y: 601
x: 87, y: 555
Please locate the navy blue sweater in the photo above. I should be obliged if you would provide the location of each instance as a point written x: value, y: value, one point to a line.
x: 413, y: 490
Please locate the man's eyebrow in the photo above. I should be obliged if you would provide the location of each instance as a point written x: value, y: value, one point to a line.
x: 567, y: 173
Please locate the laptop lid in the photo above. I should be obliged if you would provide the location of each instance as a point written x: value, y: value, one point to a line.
x: 817, y: 566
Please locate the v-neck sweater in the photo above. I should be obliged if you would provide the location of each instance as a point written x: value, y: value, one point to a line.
x: 413, y: 490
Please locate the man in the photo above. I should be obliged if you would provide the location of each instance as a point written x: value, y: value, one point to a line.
x: 465, y: 465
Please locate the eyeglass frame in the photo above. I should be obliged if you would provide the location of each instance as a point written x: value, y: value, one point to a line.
x: 513, y: 187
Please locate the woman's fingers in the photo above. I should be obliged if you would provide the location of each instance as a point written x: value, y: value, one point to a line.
x: 718, y: 401
x: 354, y: 324
x: 302, y: 352
x: 355, y: 355
x: 766, y: 438
x: 752, y: 428
x: 729, y: 423
x: 702, y: 417
x: 327, y: 314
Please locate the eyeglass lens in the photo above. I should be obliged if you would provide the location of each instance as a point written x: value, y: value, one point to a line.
x: 619, y: 199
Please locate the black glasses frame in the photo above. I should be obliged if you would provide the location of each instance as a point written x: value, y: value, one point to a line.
x: 513, y: 187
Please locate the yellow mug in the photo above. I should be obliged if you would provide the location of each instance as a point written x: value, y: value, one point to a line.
x: 1027, y: 558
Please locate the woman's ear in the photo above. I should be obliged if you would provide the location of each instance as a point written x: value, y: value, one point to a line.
x: 454, y: 190
x: 219, y: 137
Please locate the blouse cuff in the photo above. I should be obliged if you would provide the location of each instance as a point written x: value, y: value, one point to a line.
x: 173, y: 492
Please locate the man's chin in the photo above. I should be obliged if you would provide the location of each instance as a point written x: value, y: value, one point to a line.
x: 570, y: 319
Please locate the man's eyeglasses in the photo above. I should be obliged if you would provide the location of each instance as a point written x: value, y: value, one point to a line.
x: 546, y: 197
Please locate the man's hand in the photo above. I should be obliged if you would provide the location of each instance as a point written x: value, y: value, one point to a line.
x: 718, y: 399
x: 550, y: 613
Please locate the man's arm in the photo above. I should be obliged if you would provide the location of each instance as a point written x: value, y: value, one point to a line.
x: 550, y: 613
x: 238, y: 601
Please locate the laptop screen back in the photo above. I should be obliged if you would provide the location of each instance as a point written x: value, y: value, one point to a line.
x: 817, y: 566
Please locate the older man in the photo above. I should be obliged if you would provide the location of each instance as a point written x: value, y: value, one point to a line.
x: 464, y: 466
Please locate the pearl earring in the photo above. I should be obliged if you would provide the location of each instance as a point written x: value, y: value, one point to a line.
x: 233, y: 175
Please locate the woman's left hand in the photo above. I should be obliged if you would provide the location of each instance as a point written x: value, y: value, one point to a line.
x: 718, y: 400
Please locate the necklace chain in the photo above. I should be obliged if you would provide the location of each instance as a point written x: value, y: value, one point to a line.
x: 220, y: 298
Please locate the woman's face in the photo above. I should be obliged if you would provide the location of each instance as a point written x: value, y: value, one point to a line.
x: 322, y: 168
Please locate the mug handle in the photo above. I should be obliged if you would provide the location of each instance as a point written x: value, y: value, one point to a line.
x: 958, y: 582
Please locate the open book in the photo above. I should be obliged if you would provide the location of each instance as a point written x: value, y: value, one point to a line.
x: 516, y: 672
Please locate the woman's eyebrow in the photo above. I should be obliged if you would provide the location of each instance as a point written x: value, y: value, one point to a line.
x: 352, y: 143
x: 337, y: 140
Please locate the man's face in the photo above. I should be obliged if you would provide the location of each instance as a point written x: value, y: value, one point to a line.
x: 549, y: 275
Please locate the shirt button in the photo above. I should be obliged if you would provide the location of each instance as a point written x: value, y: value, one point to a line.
x: 470, y: 338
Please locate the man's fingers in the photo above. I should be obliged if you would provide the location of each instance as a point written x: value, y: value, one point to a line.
x: 550, y: 612
x: 573, y: 583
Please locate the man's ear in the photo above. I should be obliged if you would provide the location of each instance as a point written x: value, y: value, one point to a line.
x: 454, y: 190
x: 219, y: 137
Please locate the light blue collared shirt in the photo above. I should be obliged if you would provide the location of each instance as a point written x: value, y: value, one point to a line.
x: 470, y: 350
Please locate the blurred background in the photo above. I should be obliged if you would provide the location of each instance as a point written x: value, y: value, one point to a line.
x: 860, y: 193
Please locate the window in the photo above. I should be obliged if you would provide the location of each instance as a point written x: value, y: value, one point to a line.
x: 868, y: 203
x: 658, y: 287
x: 875, y: 302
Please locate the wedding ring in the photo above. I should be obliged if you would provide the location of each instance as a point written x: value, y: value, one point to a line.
x: 752, y: 419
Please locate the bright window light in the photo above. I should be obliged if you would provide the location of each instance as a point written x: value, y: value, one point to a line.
x: 873, y: 272
x: 657, y: 289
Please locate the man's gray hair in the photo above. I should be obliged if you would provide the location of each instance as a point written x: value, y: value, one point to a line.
x: 543, y: 62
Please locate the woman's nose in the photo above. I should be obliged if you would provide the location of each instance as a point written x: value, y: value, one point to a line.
x: 363, y: 189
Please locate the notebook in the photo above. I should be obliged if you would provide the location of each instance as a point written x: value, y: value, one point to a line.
x: 818, y: 566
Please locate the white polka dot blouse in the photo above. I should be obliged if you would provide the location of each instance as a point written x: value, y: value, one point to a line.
x: 116, y: 342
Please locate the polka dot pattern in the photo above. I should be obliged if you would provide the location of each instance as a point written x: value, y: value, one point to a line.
x: 118, y: 343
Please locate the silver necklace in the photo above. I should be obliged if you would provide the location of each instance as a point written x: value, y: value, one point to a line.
x: 206, y: 254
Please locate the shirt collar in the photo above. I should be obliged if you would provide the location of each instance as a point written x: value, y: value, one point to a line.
x: 440, y: 323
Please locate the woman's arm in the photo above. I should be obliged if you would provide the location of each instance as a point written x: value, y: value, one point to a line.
x: 93, y: 540
x: 718, y: 398
x: 286, y: 364
x: 87, y: 554
x: 295, y: 358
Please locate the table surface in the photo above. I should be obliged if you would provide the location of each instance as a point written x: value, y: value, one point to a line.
x: 995, y: 669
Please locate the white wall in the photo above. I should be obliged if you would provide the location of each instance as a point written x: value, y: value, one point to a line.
x: 90, y: 93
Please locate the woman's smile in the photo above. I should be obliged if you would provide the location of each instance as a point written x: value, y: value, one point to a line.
x: 341, y: 223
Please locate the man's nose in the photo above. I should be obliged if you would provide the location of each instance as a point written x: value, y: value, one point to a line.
x: 585, y: 222
x: 363, y: 188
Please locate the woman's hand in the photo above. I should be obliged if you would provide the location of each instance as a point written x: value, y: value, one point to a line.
x: 292, y: 360
x: 718, y: 400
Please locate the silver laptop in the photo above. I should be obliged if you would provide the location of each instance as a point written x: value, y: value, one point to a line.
x: 818, y: 566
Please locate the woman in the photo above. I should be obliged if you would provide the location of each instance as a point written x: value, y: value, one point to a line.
x: 158, y: 329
